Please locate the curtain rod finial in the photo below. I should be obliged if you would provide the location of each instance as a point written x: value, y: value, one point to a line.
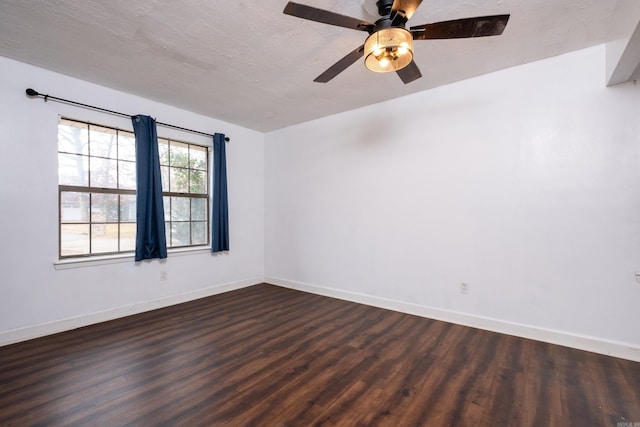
x: 226, y: 138
x: 32, y: 92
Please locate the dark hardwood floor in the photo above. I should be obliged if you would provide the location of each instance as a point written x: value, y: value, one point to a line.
x: 268, y: 356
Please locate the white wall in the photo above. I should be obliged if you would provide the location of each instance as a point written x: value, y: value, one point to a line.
x: 524, y: 183
x: 36, y: 298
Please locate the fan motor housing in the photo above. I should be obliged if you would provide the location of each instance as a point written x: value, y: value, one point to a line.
x: 384, y: 22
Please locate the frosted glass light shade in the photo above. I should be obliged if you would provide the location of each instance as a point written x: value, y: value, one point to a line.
x: 388, y: 50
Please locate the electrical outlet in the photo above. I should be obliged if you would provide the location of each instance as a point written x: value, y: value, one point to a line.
x: 638, y: 276
x: 464, y: 288
x: 163, y: 276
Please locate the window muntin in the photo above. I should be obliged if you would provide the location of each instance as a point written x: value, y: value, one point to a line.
x: 97, y: 181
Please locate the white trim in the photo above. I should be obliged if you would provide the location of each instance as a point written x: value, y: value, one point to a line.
x: 93, y: 260
x: 26, y: 333
x: 581, y: 342
x: 596, y: 345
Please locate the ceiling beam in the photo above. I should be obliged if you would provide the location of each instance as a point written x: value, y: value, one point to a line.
x: 623, y: 51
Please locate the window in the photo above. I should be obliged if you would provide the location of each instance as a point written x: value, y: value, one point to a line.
x: 185, y: 191
x: 97, y: 197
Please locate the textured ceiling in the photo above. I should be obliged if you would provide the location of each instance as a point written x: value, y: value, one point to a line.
x: 247, y: 63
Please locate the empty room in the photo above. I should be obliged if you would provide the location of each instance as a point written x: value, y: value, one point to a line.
x: 324, y: 212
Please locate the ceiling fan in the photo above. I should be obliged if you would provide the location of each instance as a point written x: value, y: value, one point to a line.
x: 389, y: 46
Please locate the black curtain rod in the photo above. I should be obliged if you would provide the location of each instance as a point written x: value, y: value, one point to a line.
x: 34, y: 93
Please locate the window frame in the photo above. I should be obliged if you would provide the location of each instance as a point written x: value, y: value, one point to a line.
x: 167, y: 195
x: 170, y: 195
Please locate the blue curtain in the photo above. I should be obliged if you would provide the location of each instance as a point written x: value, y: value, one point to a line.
x: 220, y: 204
x: 151, y: 241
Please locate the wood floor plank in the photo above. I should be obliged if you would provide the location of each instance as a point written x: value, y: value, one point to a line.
x: 269, y: 356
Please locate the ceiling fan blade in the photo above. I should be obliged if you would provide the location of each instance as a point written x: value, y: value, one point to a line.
x: 326, y: 17
x: 409, y: 73
x: 340, y: 66
x: 402, y: 10
x: 480, y: 26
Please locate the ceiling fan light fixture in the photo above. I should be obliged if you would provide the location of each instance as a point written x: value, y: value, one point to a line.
x: 388, y: 50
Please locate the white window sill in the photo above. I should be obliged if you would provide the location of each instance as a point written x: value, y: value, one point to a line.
x: 64, y: 264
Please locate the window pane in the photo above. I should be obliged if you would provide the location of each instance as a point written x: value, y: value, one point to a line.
x: 127, y: 175
x: 180, y: 234
x: 104, y: 238
x: 167, y: 233
x: 198, y: 233
x: 164, y: 172
x: 127, y: 237
x: 179, y: 154
x: 128, y: 208
x: 102, y: 142
x: 74, y: 207
x: 198, y: 209
x: 198, y: 182
x: 73, y: 137
x: 73, y: 170
x: 179, y: 178
x: 104, y: 207
x: 166, y: 201
x: 103, y: 172
x: 180, y: 209
x: 126, y: 146
x: 198, y: 157
x: 74, y: 239
x: 163, y: 151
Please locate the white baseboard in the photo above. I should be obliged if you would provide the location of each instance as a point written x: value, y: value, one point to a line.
x: 22, y: 334
x: 595, y: 345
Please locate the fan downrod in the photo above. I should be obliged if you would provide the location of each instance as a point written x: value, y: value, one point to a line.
x: 384, y: 7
